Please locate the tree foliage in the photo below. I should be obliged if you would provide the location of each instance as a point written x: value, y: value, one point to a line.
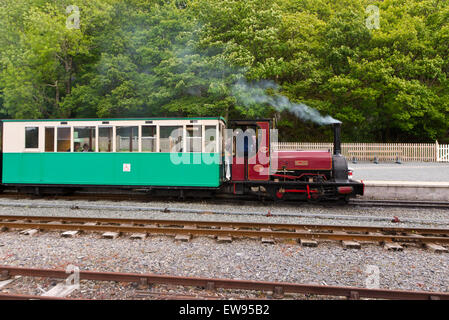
x: 183, y: 58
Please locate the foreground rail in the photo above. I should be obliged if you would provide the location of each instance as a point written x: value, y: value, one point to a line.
x: 6, y: 296
x: 278, y: 288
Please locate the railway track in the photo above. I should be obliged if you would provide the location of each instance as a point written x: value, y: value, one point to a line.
x: 278, y: 289
x: 117, y: 196
x: 262, y: 211
x: 400, y: 203
x: 226, y: 231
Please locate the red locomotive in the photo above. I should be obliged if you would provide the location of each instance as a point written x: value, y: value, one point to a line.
x: 302, y: 175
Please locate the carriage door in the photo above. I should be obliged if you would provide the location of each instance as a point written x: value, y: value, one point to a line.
x: 240, y: 156
x: 259, y: 159
x: 251, y: 152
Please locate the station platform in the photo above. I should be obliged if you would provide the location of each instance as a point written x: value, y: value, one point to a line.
x: 407, y: 181
x: 409, y: 171
x: 406, y: 190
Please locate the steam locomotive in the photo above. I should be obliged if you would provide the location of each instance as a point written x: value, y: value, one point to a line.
x: 175, y: 156
x: 298, y: 175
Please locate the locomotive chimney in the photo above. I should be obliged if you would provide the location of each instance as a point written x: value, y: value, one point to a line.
x: 337, y: 138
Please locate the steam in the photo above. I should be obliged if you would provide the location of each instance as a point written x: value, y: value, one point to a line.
x: 250, y: 94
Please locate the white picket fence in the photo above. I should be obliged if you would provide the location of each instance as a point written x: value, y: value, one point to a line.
x: 443, y: 152
x: 428, y: 152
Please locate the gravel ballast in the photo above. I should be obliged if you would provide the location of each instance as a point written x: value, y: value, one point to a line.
x: 286, y: 261
x: 327, y: 264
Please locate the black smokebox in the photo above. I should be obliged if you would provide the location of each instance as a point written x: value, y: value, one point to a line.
x: 337, y: 138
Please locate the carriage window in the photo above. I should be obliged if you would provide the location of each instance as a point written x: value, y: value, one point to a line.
x: 49, y: 139
x: 223, y: 139
x: 246, y: 141
x: 211, y: 137
x: 63, y: 142
x: 32, y: 137
x: 149, y: 138
x: 194, y: 135
x: 256, y: 138
x: 171, y: 139
x: 105, y: 139
x: 84, y: 139
x: 127, y: 139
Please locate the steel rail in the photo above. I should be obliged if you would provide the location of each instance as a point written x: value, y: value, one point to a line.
x: 298, y: 234
x: 213, y: 283
x: 400, y: 203
x: 224, y: 198
x: 8, y: 296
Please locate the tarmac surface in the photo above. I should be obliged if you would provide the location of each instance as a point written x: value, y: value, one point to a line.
x: 407, y: 171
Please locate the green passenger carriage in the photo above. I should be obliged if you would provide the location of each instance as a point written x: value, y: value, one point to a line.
x: 113, y: 152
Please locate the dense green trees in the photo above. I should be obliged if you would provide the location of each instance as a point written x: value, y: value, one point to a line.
x: 184, y: 57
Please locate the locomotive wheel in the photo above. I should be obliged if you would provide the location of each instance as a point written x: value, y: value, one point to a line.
x: 316, y: 197
x: 314, y: 200
x: 276, y: 195
x: 343, y: 200
x: 280, y: 196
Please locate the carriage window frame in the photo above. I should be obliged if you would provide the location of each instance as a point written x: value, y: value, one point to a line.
x: 111, y: 138
x: 179, y: 143
x: 93, y: 139
x: 53, y: 138
x: 37, y: 140
x: 209, y: 142
x: 132, y: 147
x: 155, y: 138
x: 70, y: 139
x: 222, y: 140
x: 190, y: 139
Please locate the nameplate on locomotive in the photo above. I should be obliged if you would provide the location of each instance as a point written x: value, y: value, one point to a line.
x: 301, y: 163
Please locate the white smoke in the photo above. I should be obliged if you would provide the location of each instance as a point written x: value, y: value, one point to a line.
x: 250, y: 94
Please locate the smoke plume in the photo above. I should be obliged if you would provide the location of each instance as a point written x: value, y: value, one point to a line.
x: 250, y: 94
